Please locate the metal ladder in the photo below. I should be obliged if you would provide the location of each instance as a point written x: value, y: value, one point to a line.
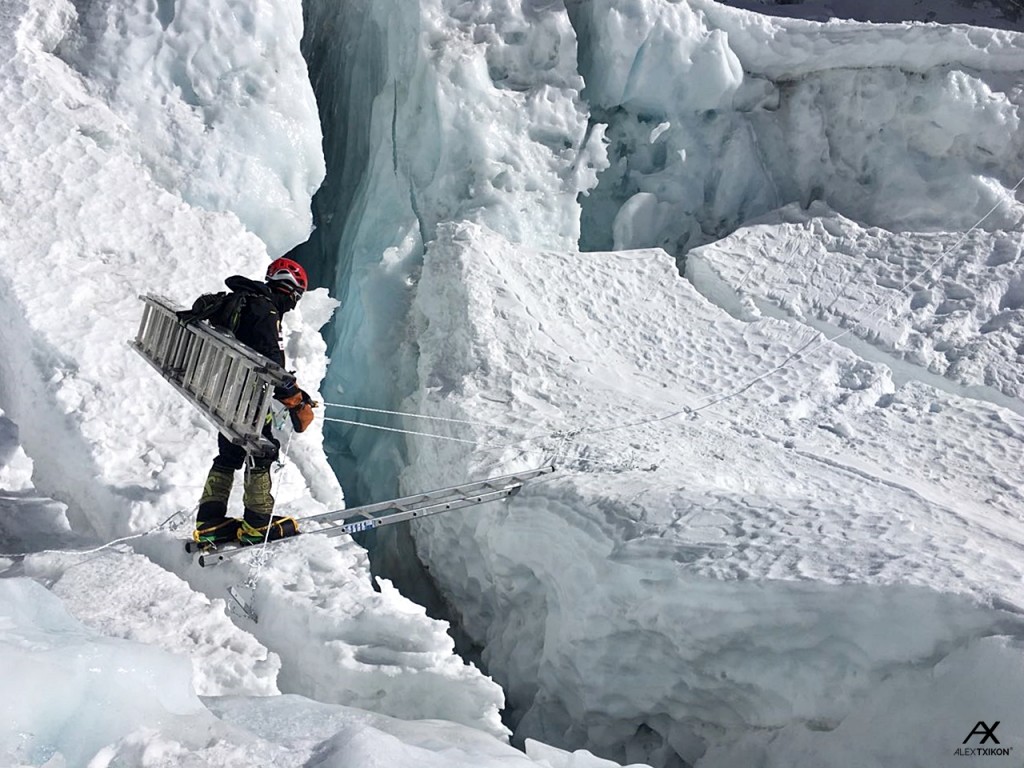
x: 369, y: 516
x: 231, y: 384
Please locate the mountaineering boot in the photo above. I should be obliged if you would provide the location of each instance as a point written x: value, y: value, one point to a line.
x: 213, y: 526
x: 259, y: 508
x: 280, y: 528
x: 222, y: 531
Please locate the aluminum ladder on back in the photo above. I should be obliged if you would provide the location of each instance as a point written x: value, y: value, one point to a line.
x: 232, y: 385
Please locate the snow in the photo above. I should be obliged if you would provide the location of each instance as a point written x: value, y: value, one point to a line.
x: 947, y: 303
x: 752, y: 283
x: 46, y: 650
x: 128, y: 702
x: 892, y: 125
x: 772, y: 557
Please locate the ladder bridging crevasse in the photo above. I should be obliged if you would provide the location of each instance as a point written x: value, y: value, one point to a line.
x: 231, y: 384
x: 364, y: 518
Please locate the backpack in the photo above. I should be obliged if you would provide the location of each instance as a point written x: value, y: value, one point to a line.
x: 222, y: 309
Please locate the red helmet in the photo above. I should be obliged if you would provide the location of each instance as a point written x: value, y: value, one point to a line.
x: 289, y: 272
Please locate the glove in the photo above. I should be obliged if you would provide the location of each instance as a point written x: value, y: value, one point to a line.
x: 300, y: 409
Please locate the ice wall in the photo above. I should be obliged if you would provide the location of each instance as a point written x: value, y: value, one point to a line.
x: 451, y: 111
x: 212, y: 99
x: 902, y: 126
x: 46, y: 651
x: 145, y: 147
x: 770, y: 573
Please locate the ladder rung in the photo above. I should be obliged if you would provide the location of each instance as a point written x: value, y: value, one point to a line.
x: 506, y: 483
x: 226, y: 380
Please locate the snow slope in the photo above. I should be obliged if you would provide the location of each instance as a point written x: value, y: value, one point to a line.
x: 703, y: 567
x: 786, y: 526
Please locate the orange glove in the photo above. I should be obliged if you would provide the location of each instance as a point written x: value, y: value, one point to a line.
x: 300, y: 410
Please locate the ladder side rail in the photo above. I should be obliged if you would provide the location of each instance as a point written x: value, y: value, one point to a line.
x: 416, y: 501
x: 258, y: 405
x: 169, y: 331
x: 149, y: 329
x: 213, y: 378
x: 162, y: 340
x: 225, y: 380
x: 195, y: 346
x: 221, y: 388
x: 354, y: 525
x: 200, y: 369
x: 218, y: 375
x: 368, y: 524
x: 275, y: 373
x: 239, y: 398
x: 264, y: 404
x: 409, y: 501
x: 205, y: 370
x: 176, y: 360
x: 404, y: 504
x: 212, y: 365
x: 243, y: 401
x: 369, y: 510
x: 229, y: 431
x: 227, y: 404
x: 153, y: 336
x: 145, y: 327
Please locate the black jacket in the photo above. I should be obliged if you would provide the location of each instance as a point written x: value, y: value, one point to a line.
x: 259, y: 325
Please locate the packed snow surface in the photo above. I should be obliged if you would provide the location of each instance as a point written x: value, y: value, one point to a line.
x: 781, y: 384
x: 711, y: 555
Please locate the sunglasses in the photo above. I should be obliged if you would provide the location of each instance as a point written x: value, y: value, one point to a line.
x: 287, y: 279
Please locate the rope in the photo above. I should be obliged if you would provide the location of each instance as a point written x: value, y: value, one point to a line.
x: 416, y: 416
x: 412, y: 432
x: 260, y: 557
x: 102, y: 546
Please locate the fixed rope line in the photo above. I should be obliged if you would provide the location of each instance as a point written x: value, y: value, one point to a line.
x: 802, y: 350
x: 914, y: 278
x: 101, y: 547
x: 563, y: 435
x: 412, y: 432
x: 417, y: 416
x: 761, y: 377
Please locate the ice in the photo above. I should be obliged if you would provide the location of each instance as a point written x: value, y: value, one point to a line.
x: 126, y: 702
x: 28, y: 520
x: 191, y: 88
x: 95, y: 446
x: 475, y: 114
x: 156, y: 608
x: 785, y: 524
x: 741, y: 557
x: 891, y: 125
x: 46, y: 652
x: 979, y: 677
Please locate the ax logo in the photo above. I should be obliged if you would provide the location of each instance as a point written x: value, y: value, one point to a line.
x: 984, y: 733
x: 983, y: 730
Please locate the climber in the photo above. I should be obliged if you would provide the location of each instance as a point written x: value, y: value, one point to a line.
x: 252, y: 311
